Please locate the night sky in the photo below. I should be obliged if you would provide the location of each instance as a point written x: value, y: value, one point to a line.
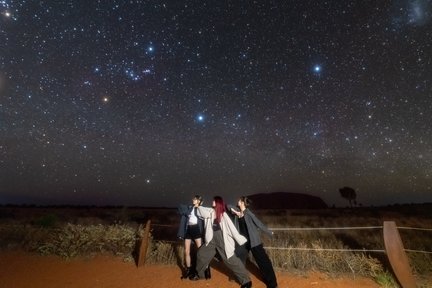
x: 150, y: 102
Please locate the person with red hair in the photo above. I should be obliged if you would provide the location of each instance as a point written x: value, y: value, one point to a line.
x: 220, y: 237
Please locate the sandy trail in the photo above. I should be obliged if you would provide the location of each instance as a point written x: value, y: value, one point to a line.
x: 25, y: 270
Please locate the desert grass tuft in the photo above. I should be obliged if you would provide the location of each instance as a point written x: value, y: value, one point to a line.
x: 76, y: 240
x: 386, y: 280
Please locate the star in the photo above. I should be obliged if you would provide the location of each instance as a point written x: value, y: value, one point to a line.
x: 200, y: 118
x: 118, y: 91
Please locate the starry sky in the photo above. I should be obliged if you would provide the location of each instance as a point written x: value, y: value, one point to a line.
x: 150, y: 102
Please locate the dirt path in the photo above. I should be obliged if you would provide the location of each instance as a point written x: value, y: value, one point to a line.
x: 24, y: 270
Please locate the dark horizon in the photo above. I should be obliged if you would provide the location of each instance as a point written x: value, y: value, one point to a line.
x: 342, y: 203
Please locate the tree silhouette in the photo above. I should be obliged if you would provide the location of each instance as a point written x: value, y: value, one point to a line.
x: 349, y: 194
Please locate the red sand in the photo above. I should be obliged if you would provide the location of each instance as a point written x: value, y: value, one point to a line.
x: 25, y: 270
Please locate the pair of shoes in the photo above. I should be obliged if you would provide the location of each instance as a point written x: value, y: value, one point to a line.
x: 246, y: 285
x: 194, y: 277
x: 207, y: 273
x: 186, y: 273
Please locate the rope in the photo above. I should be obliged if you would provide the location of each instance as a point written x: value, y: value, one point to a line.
x: 342, y: 250
x: 411, y: 228
x: 320, y: 228
x: 327, y: 228
x: 418, y: 251
x: 163, y: 225
x: 324, y: 228
x: 324, y: 249
x: 168, y: 241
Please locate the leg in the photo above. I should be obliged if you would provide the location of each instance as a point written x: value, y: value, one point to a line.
x: 198, y: 242
x: 242, y: 252
x: 207, y: 272
x: 204, y: 255
x: 233, y: 263
x: 265, y: 266
x: 187, y: 247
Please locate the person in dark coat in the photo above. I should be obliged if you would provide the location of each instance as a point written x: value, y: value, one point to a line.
x: 250, y: 226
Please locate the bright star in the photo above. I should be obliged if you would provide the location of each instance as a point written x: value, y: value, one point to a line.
x: 200, y: 118
x: 317, y: 68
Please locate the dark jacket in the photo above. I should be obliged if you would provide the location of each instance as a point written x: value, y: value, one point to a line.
x: 254, y: 226
x: 184, y: 211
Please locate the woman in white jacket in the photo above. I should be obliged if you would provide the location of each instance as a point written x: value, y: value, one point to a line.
x: 220, y: 236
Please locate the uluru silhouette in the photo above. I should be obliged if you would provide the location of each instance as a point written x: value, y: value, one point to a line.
x: 286, y: 200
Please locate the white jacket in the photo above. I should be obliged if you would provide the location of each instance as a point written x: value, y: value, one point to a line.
x: 229, y: 231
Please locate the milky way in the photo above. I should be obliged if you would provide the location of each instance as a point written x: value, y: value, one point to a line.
x: 151, y: 102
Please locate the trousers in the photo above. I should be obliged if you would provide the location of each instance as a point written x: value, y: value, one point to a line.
x: 262, y: 260
x: 206, y: 253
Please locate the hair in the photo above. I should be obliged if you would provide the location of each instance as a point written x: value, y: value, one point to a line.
x: 199, y: 198
x: 246, y: 200
x: 219, y: 208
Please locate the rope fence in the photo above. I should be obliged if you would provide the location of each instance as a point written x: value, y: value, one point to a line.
x: 323, y: 228
x: 323, y: 249
x: 418, y: 251
x: 412, y: 228
x: 343, y: 228
x: 326, y: 228
x: 394, y: 248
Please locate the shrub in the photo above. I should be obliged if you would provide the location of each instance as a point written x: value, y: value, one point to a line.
x: 74, y: 240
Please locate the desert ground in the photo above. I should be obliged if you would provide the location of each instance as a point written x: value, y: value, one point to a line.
x: 23, y: 270
x: 22, y: 266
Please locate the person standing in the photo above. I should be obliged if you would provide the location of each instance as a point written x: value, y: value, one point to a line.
x: 249, y: 226
x: 191, y: 229
x: 220, y: 237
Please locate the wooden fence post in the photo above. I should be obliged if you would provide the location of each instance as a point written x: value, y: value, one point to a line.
x: 397, y: 256
x: 144, y: 245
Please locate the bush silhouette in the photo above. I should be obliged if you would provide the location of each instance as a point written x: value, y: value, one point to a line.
x: 349, y: 194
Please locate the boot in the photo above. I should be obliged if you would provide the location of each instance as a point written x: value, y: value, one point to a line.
x: 194, y: 276
x: 207, y: 273
x: 187, y: 273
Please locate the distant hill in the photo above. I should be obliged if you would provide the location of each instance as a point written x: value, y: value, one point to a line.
x: 286, y: 200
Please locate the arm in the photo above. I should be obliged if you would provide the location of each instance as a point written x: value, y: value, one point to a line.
x: 183, y: 209
x: 258, y: 223
x: 233, y: 232
x: 204, y: 212
x: 234, y: 210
